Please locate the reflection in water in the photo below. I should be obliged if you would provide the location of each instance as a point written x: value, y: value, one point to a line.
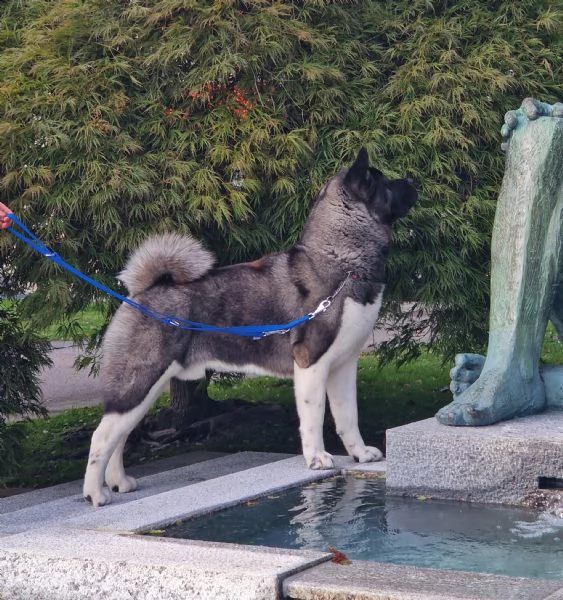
x: 354, y: 516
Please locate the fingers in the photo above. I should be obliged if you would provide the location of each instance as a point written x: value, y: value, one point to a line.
x: 5, y: 221
x: 466, y: 371
x: 534, y: 109
x: 469, y: 361
x: 511, y: 119
x: 530, y: 110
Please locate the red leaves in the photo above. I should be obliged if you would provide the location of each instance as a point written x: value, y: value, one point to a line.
x: 338, y: 557
x: 234, y: 97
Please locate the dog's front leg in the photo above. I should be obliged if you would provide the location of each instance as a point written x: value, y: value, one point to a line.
x: 310, y: 397
x: 342, y: 396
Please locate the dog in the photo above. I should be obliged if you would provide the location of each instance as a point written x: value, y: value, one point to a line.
x: 340, y: 255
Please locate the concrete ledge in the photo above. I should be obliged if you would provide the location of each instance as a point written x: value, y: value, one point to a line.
x: 35, y: 510
x: 498, y: 464
x: 158, y: 469
x: 69, y: 564
x: 199, y: 498
x: 65, y: 549
x: 375, y: 581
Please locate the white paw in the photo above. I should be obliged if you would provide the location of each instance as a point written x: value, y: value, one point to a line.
x: 122, y: 485
x: 320, y: 460
x: 98, y: 497
x: 368, y: 454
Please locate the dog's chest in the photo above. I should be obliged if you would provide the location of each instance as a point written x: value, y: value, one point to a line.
x: 356, y: 326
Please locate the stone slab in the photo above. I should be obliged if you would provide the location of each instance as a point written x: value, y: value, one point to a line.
x: 553, y: 383
x: 153, y: 467
x: 21, y: 513
x: 498, y: 463
x: 71, y: 564
x: 376, y: 581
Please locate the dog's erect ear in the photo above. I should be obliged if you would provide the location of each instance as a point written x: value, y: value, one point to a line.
x: 360, y: 178
x: 361, y: 164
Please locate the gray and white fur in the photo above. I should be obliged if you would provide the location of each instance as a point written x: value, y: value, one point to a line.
x: 345, y: 239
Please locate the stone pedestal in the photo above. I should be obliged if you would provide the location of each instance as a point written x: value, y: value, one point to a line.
x: 502, y: 463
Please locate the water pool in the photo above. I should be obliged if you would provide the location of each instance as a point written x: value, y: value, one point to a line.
x: 353, y: 515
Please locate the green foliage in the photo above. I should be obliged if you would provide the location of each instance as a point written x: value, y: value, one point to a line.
x: 22, y: 355
x: 552, y: 351
x: 55, y: 448
x: 86, y: 323
x: 454, y: 69
x: 223, y: 119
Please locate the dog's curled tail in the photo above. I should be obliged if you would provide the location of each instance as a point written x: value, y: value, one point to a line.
x: 179, y: 257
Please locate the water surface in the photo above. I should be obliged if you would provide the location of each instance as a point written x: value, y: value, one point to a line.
x: 354, y: 516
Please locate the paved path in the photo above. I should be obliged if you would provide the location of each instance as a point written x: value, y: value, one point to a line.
x: 63, y: 386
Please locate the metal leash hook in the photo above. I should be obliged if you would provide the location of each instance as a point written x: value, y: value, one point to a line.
x: 321, y: 307
x: 325, y: 304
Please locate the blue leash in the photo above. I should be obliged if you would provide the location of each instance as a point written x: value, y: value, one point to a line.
x: 254, y: 331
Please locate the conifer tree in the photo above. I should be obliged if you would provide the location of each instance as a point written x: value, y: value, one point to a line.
x: 22, y: 355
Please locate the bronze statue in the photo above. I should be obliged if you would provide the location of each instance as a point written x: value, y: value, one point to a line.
x: 526, y: 279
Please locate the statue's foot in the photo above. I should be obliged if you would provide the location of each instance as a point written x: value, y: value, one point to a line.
x: 497, y: 395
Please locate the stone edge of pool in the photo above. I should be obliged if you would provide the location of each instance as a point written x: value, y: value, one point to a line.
x: 61, y: 548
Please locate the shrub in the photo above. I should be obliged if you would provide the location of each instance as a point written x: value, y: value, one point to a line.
x: 223, y: 119
x: 22, y: 355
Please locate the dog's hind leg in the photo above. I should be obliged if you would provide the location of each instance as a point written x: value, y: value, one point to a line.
x: 116, y: 478
x: 342, y: 396
x: 310, y: 397
x: 108, y: 441
x: 110, y: 433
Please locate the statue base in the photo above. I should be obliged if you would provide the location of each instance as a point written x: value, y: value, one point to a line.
x: 505, y: 463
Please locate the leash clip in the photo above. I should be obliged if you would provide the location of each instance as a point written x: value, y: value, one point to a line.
x: 325, y: 304
x: 321, y: 308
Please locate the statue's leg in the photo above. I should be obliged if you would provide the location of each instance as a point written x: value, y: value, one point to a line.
x: 526, y: 248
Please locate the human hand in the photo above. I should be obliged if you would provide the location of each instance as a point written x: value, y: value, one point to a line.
x: 5, y: 221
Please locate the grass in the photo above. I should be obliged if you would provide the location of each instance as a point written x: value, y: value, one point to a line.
x: 55, y: 448
x: 89, y: 321
x: 552, y: 351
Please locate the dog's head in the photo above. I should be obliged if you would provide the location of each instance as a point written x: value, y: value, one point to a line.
x: 386, y: 199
